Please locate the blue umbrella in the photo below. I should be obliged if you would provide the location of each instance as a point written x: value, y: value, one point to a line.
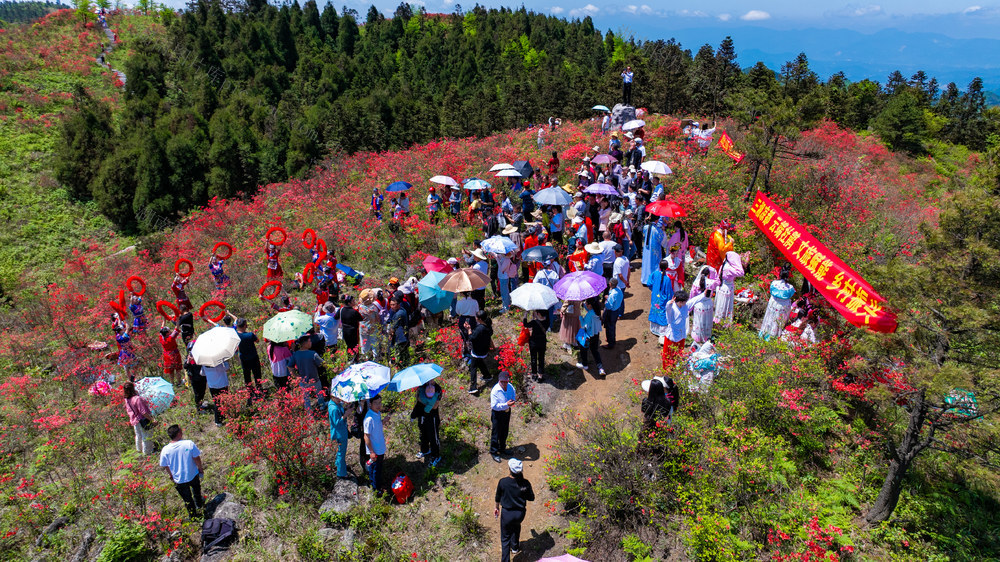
x: 412, y: 377
x: 432, y: 297
x: 476, y: 183
x: 159, y: 394
x: 398, y: 186
x: 539, y: 254
x: 553, y: 196
x: 498, y: 245
x: 601, y: 108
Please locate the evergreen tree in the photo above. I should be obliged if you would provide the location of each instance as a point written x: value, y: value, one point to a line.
x: 85, y: 141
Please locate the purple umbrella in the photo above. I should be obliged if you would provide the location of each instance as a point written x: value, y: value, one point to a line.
x: 604, y: 159
x: 580, y: 285
x: 601, y: 189
x: 563, y: 558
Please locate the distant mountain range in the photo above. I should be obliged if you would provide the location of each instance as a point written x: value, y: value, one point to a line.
x: 858, y: 55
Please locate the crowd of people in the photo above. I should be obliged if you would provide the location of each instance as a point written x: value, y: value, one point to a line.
x: 609, y: 225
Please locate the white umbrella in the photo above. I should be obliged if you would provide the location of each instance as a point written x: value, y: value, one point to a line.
x: 656, y: 168
x: 501, y: 166
x: 633, y: 124
x: 508, y: 173
x: 601, y: 108
x: 373, y: 375
x: 215, y: 346
x: 444, y: 180
x: 533, y: 296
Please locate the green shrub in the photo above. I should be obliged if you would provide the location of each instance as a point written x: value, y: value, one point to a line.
x: 126, y: 544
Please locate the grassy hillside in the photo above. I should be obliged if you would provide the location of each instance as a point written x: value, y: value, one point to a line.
x: 40, y: 64
x: 776, y: 461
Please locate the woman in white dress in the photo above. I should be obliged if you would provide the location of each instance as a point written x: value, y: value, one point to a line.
x: 779, y: 306
x: 675, y: 267
x: 701, y: 315
x: 730, y: 269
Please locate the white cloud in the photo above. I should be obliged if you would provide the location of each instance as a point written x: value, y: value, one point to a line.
x: 632, y: 9
x: 870, y: 10
x: 755, y: 15
x: 725, y: 17
x: 556, y: 10
x: 692, y: 14
x: 636, y: 10
x: 971, y: 9
x: 588, y: 10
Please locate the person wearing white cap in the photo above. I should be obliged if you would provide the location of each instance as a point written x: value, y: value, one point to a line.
x: 501, y: 400
x: 512, y: 496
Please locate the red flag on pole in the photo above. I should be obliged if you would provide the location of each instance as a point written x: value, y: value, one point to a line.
x: 728, y: 147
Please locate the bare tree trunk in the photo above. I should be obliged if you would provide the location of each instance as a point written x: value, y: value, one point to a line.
x: 753, y: 181
x: 770, y: 164
x: 901, y: 458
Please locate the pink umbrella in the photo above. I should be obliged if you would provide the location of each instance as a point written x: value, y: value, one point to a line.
x: 432, y: 263
x: 563, y: 558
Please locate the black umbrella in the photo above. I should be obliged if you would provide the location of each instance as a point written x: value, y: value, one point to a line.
x: 525, y: 168
x: 539, y: 253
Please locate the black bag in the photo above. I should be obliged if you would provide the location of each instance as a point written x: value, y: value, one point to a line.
x: 418, y: 410
x: 145, y: 424
x: 217, y: 534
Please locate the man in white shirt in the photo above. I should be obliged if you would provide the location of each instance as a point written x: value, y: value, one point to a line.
x: 607, y: 253
x: 181, y: 460
x: 501, y: 400
x: 374, y: 443
x: 548, y: 276
x: 627, y: 78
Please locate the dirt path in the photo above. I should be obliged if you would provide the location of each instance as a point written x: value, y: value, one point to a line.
x: 636, y: 353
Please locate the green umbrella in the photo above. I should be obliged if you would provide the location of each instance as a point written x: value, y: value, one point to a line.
x: 287, y: 326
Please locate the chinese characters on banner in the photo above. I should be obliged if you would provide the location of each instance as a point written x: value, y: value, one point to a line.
x: 853, y: 298
x: 728, y: 147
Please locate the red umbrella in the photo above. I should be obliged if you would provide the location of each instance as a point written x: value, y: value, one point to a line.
x: 432, y: 263
x: 666, y: 209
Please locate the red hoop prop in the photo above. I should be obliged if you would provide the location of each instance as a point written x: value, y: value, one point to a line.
x: 188, y: 270
x: 264, y: 289
x: 308, y: 273
x: 222, y: 245
x: 119, y: 305
x: 309, y: 238
x: 217, y: 304
x: 320, y: 248
x: 136, y: 279
x: 276, y: 230
x: 161, y: 305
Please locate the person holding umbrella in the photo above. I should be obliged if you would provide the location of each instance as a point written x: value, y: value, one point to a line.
x: 513, y: 494
x: 548, y: 275
x: 537, y: 323
x: 279, y: 354
x: 429, y: 421
x: 337, y: 415
x: 217, y: 379
x: 589, y: 336
x: 502, y: 399
x: 140, y: 417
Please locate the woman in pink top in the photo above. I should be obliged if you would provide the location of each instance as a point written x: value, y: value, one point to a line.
x: 138, y: 411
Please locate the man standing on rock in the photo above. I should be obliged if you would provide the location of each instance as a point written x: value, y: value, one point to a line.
x: 181, y: 460
x: 627, y: 86
x: 501, y: 399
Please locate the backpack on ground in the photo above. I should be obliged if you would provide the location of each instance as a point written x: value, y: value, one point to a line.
x: 217, y: 534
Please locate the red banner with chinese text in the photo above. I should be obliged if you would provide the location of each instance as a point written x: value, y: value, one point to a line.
x: 847, y: 291
x: 728, y: 147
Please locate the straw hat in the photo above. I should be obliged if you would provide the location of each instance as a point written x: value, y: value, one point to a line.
x: 569, y: 188
x: 537, y: 214
x: 509, y: 229
x: 646, y: 383
x: 593, y: 248
x: 367, y: 296
x: 479, y: 253
x: 571, y: 213
x: 615, y: 217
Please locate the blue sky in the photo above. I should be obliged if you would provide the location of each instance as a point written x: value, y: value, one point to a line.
x: 961, y: 18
